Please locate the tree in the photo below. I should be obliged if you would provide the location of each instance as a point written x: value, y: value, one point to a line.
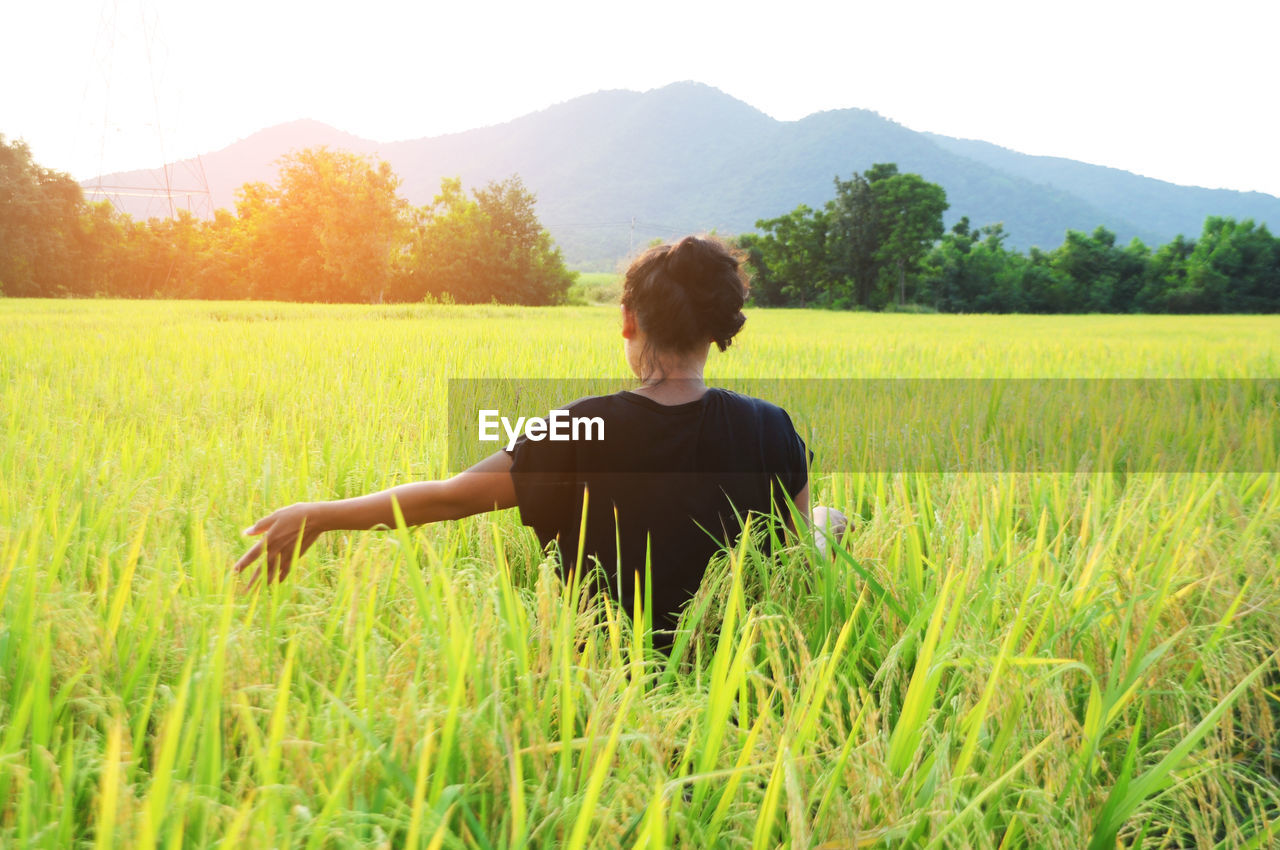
x: 971, y: 271
x: 910, y: 221
x: 333, y: 229
x: 790, y: 259
x: 1166, y: 277
x: 766, y: 288
x: 490, y: 247
x: 1235, y: 267
x: 103, y: 265
x: 1104, y: 278
x: 883, y: 220
x: 41, y: 245
x: 855, y: 236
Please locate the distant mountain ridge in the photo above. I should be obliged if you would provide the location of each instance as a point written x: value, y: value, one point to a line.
x: 616, y: 168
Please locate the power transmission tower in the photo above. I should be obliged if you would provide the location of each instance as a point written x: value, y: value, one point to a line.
x: 176, y: 186
x: 157, y: 192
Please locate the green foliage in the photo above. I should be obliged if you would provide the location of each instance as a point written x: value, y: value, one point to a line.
x: 1236, y: 266
x: 487, y: 248
x: 973, y: 269
x: 792, y: 261
x: 880, y: 240
x: 837, y: 256
x: 332, y: 228
x: 1233, y: 268
x: 908, y: 213
x: 42, y: 243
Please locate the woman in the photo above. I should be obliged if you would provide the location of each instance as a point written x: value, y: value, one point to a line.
x: 679, y: 468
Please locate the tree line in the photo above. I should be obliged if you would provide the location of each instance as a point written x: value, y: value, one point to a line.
x: 331, y: 228
x: 880, y: 243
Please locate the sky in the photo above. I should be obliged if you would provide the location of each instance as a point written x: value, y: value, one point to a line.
x: 1180, y: 91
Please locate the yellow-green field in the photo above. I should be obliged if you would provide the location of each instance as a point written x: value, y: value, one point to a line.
x: 596, y: 288
x: 993, y: 659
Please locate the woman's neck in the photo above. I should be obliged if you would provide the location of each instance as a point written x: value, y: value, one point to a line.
x: 673, y: 386
x: 668, y: 377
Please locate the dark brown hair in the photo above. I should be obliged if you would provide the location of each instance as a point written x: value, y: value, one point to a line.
x: 685, y: 294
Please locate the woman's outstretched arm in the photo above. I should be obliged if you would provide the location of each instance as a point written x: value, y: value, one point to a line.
x: 487, y: 486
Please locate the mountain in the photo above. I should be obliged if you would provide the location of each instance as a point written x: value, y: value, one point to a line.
x: 616, y: 168
x: 248, y: 160
x: 1164, y: 208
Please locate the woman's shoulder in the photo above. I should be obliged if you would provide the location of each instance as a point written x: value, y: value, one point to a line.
x: 744, y: 403
x: 730, y: 402
x: 590, y: 403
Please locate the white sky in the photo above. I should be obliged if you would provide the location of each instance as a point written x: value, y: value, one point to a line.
x: 1186, y: 92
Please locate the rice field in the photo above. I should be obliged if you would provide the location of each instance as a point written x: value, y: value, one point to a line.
x: 993, y: 659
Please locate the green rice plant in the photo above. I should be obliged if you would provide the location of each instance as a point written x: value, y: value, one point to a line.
x: 990, y: 659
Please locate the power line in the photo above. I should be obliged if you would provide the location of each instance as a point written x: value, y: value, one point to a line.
x: 147, y: 38
x: 166, y: 187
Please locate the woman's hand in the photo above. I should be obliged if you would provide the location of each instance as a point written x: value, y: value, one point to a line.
x: 829, y: 526
x: 288, y: 532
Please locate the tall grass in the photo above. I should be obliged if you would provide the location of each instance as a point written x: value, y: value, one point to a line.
x: 991, y: 660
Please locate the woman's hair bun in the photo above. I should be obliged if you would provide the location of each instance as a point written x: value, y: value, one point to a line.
x: 689, y: 259
x: 688, y: 293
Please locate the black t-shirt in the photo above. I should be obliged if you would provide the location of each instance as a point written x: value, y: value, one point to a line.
x: 678, y: 478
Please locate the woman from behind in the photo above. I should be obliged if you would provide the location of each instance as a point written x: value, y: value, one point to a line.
x: 670, y: 482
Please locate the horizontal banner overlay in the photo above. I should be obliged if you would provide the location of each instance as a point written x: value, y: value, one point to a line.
x: 935, y: 424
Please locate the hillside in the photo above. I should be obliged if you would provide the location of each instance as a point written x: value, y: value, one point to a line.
x: 617, y: 168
